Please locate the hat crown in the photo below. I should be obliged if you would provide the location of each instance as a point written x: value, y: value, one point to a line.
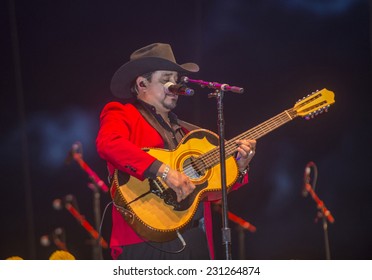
x: 154, y: 50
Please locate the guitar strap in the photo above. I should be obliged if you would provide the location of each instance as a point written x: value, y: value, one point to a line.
x: 188, y: 126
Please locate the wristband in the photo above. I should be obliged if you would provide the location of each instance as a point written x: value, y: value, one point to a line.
x: 165, y: 172
x: 244, y: 172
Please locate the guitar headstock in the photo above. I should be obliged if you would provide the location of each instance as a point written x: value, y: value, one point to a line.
x: 314, y: 104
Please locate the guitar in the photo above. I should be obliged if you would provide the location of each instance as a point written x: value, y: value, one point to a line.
x: 150, y: 206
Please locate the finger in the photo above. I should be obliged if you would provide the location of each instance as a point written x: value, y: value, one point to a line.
x: 244, y: 151
x: 179, y: 195
x: 241, y: 154
x: 246, y: 145
x: 251, y: 153
x: 187, y: 191
x: 248, y: 148
x: 250, y: 143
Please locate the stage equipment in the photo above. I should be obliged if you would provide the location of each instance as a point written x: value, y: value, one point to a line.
x: 213, y: 85
x: 77, y: 154
x: 89, y: 228
x: 96, y: 185
x: 323, y: 212
x: 242, y: 226
x: 58, y: 237
x: 178, y: 89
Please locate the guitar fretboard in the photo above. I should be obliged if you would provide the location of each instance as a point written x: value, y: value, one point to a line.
x: 212, y: 157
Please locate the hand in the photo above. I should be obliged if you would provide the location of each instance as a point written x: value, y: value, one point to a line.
x: 246, y: 151
x: 179, y: 182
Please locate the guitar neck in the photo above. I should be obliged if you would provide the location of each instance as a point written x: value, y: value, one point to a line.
x: 261, y: 129
x: 211, y: 158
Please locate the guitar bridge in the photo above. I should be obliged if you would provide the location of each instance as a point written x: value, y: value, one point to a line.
x: 156, y: 187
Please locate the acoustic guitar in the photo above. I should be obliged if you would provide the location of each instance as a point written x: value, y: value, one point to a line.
x: 150, y: 206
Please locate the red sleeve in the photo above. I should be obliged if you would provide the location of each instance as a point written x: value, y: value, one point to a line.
x: 123, y: 132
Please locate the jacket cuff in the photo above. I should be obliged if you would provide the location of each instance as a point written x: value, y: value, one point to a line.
x: 152, y: 170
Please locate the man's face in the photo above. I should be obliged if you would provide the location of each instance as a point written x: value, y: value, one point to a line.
x: 155, y: 91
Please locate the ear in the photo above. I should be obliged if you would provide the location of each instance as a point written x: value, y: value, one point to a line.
x: 141, y: 82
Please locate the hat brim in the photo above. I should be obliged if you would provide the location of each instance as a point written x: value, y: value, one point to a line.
x: 125, y: 75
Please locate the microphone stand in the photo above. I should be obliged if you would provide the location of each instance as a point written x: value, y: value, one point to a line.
x: 86, y: 225
x: 322, y: 211
x: 96, y: 184
x: 325, y: 214
x: 219, y: 94
x: 326, y: 240
x: 226, y: 231
x: 97, y: 252
x: 242, y: 226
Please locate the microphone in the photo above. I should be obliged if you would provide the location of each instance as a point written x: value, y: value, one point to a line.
x: 45, y: 240
x: 58, y: 203
x: 57, y: 237
x: 178, y: 89
x: 69, y: 202
x: 306, y: 180
x: 74, y: 149
x: 76, y: 153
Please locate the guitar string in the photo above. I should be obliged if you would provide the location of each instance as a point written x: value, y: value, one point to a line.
x: 210, y: 158
x: 261, y: 130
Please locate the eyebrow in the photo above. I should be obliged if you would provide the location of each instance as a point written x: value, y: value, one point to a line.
x: 169, y: 74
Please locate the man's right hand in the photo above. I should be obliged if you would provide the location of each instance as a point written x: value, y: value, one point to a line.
x: 180, y: 183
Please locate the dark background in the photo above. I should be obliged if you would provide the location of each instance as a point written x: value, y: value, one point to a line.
x: 55, y: 76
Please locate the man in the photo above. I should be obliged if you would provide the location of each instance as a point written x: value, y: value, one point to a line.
x: 149, y: 122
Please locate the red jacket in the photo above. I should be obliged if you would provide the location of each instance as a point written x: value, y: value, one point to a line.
x: 123, y: 131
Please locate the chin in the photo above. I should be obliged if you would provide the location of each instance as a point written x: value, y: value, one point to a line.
x: 170, y: 102
x: 170, y: 105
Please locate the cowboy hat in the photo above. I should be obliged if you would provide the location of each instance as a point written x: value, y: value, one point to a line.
x: 157, y: 56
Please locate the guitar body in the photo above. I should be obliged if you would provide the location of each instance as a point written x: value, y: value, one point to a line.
x: 151, y: 208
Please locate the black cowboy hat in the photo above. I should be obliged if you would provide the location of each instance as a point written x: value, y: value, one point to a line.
x: 157, y: 56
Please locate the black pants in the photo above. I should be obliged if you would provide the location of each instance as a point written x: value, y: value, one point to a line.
x: 196, y: 248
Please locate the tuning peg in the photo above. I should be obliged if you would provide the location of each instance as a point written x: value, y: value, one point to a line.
x: 309, y: 116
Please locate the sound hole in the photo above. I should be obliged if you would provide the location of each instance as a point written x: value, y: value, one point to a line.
x: 193, y: 168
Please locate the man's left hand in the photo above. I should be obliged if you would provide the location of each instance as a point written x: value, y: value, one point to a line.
x: 246, y: 151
